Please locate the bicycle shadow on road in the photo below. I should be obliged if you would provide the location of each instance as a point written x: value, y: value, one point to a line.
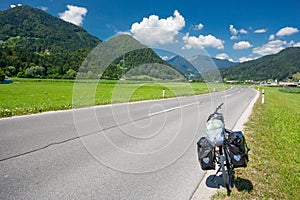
x: 216, y: 181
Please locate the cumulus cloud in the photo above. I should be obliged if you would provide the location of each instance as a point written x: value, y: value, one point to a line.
x: 271, y: 47
x: 153, y: 30
x: 165, y: 57
x: 74, y: 14
x: 223, y: 56
x: 13, y: 5
x: 260, y: 30
x: 287, y: 31
x: 199, y: 26
x: 296, y: 44
x: 233, y: 30
x: 234, y: 37
x: 202, y: 41
x: 243, y: 31
x: 272, y: 37
x: 244, y: 59
x: 235, y: 33
x: 43, y: 8
x: 242, y: 45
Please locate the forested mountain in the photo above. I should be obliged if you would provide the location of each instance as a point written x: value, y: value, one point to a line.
x: 36, y: 44
x: 278, y: 66
x: 123, y: 56
x: 38, y: 31
x: 194, y: 67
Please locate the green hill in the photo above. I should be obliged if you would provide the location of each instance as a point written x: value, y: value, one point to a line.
x: 123, y: 56
x: 38, y: 31
x: 34, y: 43
x: 278, y: 66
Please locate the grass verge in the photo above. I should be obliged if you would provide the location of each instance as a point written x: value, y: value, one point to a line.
x: 28, y: 96
x: 273, y: 136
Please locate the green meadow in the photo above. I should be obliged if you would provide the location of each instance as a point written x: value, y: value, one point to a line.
x: 273, y: 135
x: 28, y: 96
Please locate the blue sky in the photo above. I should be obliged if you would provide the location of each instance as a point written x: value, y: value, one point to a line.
x: 235, y: 30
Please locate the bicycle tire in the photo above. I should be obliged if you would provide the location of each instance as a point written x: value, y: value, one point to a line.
x: 227, y: 170
x: 230, y: 173
x: 224, y: 172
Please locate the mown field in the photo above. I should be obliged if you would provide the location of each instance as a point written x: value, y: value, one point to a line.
x: 27, y: 96
x: 273, y: 134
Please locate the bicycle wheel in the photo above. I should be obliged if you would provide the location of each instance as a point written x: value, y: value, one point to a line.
x: 227, y: 170
x: 225, y: 175
x: 230, y: 174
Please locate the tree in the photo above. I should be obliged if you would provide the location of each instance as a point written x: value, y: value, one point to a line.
x: 2, y: 75
x: 35, y: 72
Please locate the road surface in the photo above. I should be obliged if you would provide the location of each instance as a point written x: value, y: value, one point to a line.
x: 142, y: 150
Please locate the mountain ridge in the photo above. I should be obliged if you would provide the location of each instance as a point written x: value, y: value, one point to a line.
x: 196, y: 66
x: 279, y: 66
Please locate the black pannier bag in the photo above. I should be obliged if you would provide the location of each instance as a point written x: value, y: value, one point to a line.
x: 238, y: 149
x: 206, y: 154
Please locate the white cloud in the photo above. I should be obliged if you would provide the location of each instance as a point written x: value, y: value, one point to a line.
x: 43, y: 8
x: 165, y: 57
x: 243, y: 31
x: 271, y: 47
x: 272, y: 37
x: 153, y: 30
x: 74, y: 14
x: 234, y: 37
x: 223, y: 56
x: 244, y: 59
x: 13, y: 5
x: 260, y: 30
x: 199, y: 26
x: 235, y: 33
x: 233, y: 30
x: 202, y: 41
x: 287, y: 31
x: 242, y: 45
x: 296, y: 44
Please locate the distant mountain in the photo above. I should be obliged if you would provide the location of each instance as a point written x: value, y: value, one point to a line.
x: 194, y: 67
x: 278, y: 66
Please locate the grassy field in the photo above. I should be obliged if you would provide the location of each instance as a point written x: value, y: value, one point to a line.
x: 27, y: 96
x: 273, y: 134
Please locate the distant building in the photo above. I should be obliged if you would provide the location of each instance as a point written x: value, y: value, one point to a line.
x: 289, y: 84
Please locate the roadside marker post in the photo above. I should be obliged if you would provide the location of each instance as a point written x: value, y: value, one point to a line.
x: 164, y: 93
x: 262, y: 96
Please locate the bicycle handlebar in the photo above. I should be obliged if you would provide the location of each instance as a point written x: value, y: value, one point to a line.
x: 219, y: 107
x: 216, y: 112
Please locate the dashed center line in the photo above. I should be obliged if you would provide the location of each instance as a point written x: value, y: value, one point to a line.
x: 171, y: 109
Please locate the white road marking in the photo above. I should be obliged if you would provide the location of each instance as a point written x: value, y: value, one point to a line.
x: 171, y: 109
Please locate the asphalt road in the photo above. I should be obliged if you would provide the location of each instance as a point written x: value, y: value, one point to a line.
x: 142, y: 150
